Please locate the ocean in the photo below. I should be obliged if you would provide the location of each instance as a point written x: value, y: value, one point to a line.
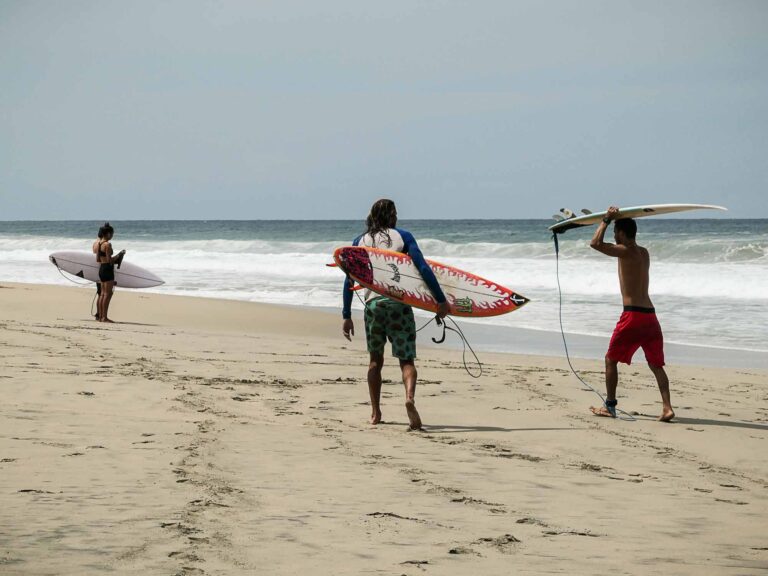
x: 709, y: 277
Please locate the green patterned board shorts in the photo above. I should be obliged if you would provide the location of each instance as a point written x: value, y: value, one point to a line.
x: 385, y: 320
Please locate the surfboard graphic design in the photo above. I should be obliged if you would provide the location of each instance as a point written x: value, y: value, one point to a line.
x: 394, y: 275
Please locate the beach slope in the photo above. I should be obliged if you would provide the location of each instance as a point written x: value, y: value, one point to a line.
x: 202, y: 436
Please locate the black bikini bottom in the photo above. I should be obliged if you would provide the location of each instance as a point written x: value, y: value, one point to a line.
x: 107, y: 272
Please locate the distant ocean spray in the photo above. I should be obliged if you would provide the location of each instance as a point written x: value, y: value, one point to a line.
x: 709, y: 278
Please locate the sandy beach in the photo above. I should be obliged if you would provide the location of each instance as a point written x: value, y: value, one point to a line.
x: 201, y: 436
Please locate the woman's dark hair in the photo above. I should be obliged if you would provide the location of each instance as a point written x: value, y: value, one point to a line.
x: 628, y: 226
x: 382, y: 217
x: 106, y: 229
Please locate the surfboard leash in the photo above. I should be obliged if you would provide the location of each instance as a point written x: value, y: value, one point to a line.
x: 70, y: 279
x: 627, y: 417
x: 78, y: 284
x: 457, y: 329
x: 464, y: 341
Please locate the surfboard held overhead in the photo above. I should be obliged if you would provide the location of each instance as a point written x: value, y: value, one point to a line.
x: 589, y: 219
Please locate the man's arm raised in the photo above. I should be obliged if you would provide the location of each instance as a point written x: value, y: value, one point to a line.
x: 598, y: 240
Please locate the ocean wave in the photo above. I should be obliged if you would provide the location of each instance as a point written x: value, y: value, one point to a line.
x: 751, y: 249
x: 711, y: 281
x: 714, y: 304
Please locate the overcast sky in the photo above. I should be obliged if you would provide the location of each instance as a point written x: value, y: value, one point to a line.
x: 260, y: 109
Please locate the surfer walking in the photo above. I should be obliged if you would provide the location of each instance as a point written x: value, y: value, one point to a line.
x: 386, y: 319
x: 107, y: 261
x: 638, y: 326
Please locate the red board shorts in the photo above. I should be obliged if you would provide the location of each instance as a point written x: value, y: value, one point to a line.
x: 637, y: 328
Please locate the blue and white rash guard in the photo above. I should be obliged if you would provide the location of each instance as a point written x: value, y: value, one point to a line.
x: 401, y: 241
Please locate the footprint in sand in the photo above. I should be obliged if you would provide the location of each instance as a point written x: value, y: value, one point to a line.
x: 570, y: 533
x: 504, y: 544
x: 34, y: 491
x: 462, y: 550
x: 529, y: 520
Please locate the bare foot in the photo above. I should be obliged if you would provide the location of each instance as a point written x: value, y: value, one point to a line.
x: 108, y: 321
x: 601, y: 411
x: 376, y: 417
x: 413, y: 415
x: 667, y: 415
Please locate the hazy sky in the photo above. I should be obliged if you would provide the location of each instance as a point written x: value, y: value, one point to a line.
x: 261, y: 109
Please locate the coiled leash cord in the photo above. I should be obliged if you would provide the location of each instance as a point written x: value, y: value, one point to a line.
x: 465, y: 343
x: 626, y: 416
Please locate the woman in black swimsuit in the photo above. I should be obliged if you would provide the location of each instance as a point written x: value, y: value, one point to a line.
x: 106, y: 269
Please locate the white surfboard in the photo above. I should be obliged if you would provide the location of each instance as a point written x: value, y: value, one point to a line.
x: 84, y: 265
x: 631, y: 212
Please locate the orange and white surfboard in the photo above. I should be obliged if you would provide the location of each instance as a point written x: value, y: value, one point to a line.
x: 394, y: 275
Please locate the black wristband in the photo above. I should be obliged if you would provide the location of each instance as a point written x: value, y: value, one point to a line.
x: 607, y: 220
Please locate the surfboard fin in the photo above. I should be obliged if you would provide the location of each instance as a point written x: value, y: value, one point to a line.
x: 568, y: 213
x: 586, y: 212
x: 557, y: 217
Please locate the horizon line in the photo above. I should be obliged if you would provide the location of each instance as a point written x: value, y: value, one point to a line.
x: 664, y: 216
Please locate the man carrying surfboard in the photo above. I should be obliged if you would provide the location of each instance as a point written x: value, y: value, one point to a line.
x: 638, y: 326
x: 386, y: 319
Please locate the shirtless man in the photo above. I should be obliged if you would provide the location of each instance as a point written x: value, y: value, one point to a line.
x: 638, y: 326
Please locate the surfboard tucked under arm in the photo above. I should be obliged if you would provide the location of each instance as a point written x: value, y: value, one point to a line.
x: 632, y: 212
x: 394, y: 275
x: 84, y: 265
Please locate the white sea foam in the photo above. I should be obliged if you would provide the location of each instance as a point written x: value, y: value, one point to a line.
x: 709, y: 292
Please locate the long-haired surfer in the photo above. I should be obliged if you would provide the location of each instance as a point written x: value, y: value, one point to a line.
x: 387, y: 319
x: 107, y: 261
x: 638, y: 326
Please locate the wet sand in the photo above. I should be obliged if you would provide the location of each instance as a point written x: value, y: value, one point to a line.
x: 203, y: 436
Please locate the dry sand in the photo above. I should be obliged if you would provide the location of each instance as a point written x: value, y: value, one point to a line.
x: 211, y: 437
